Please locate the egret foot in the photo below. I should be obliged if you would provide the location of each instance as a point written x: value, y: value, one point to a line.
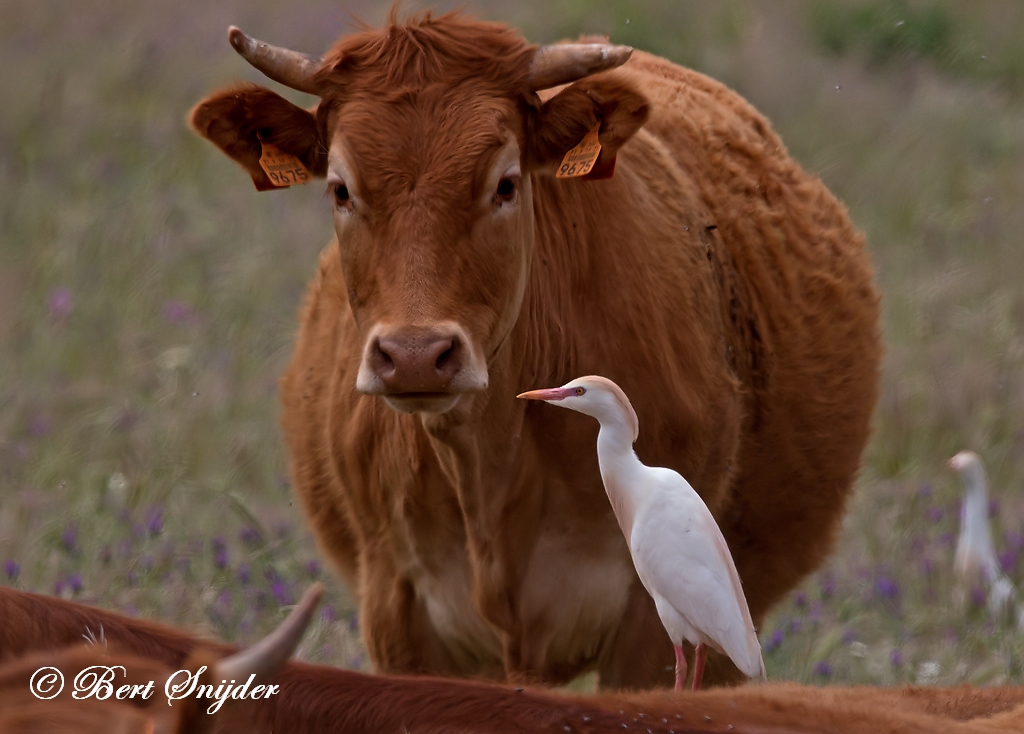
x: 680, y: 668
x: 700, y: 654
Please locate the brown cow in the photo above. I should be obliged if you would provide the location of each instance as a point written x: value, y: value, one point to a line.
x: 316, y: 699
x: 719, y: 284
x: 92, y: 689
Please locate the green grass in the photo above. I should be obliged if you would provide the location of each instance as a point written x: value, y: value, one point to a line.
x: 148, y: 297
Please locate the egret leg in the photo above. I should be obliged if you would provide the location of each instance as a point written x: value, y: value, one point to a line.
x: 700, y: 654
x: 680, y: 668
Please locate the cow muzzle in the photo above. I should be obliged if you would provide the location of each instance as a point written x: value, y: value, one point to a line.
x: 420, y: 369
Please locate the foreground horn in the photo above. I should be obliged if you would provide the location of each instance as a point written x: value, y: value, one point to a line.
x: 562, y: 63
x: 291, y: 68
x: 268, y: 655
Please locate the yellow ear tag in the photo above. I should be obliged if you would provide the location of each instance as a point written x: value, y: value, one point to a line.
x: 283, y: 169
x: 581, y: 159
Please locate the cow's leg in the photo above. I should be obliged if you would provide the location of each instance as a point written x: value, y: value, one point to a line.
x: 640, y: 655
x: 395, y: 626
x: 699, y: 656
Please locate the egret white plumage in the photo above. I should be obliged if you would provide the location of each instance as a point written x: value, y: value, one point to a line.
x: 975, y: 552
x: 678, y: 549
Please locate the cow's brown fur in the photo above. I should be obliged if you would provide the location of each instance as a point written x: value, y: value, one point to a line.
x: 719, y: 284
x: 316, y: 699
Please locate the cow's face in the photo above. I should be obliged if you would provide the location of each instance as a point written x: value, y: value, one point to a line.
x: 434, y: 221
x: 429, y: 184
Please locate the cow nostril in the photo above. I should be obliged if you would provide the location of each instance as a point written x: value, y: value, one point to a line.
x: 385, y: 362
x: 445, y: 358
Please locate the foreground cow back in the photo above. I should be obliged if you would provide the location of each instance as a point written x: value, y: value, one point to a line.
x: 699, y: 267
x: 318, y: 699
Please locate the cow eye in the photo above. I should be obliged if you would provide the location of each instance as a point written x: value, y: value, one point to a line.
x: 508, y: 186
x: 342, y: 200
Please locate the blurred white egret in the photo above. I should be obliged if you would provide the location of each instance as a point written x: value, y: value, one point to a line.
x: 975, y: 552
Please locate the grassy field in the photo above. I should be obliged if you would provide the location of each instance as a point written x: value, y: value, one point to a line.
x: 148, y: 298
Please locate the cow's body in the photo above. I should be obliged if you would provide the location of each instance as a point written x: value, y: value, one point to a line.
x: 316, y: 699
x: 721, y: 286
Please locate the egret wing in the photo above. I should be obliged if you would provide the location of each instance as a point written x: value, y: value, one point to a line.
x: 680, y: 555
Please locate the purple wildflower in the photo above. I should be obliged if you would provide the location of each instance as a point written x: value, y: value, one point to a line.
x: 356, y: 662
x: 250, y: 535
x: 977, y: 597
x: 327, y: 613
x: 823, y: 669
x: 280, y: 591
x: 155, y: 520
x: 177, y: 312
x: 814, y: 613
x: 313, y: 567
x: 59, y: 303
x: 139, y: 530
x: 243, y: 574
x: 12, y: 569
x: 220, y: 553
x: 282, y: 529
x: 993, y: 507
x: 58, y: 587
x: 924, y: 491
x: 132, y: 578
x: 1008, y: 561
x: 69, y: 538
x: 131, y: 610
x: 800, y: 599
x: 886, y: 587
x: 896, y: 658
x: 795, y: 626
x: 849, y: 636
x: 828, y: 586
x: 224, y: 599
x: 775, y: 640
x: 75, y: 582
x: 934, y: 514
x: 353, y: 622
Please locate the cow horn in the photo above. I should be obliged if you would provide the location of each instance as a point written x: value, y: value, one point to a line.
x: 562, y: 63
x: 291, y: 68
x: 268, y: 655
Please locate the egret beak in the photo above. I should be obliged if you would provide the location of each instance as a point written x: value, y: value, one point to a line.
x: 552, y: 393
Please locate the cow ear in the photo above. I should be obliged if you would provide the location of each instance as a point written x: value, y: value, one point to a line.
x: 240, y: 119
x: 560, y: 123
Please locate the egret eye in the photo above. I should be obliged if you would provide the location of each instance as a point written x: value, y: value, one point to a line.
x: 580, y: 390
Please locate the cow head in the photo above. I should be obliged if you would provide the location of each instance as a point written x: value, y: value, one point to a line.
x: 428, y: 134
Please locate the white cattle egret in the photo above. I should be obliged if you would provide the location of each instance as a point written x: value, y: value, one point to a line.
x: 975, y: 551
x: 677, y: 548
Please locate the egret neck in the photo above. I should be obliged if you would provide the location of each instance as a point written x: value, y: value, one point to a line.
x: 621, y: 470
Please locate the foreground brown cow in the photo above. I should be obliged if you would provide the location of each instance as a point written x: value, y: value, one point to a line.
x: 316, y: 699
x: 719, y: 284
x: 98, y: 688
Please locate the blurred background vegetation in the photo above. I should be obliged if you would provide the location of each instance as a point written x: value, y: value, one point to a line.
x: 148, y: 298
